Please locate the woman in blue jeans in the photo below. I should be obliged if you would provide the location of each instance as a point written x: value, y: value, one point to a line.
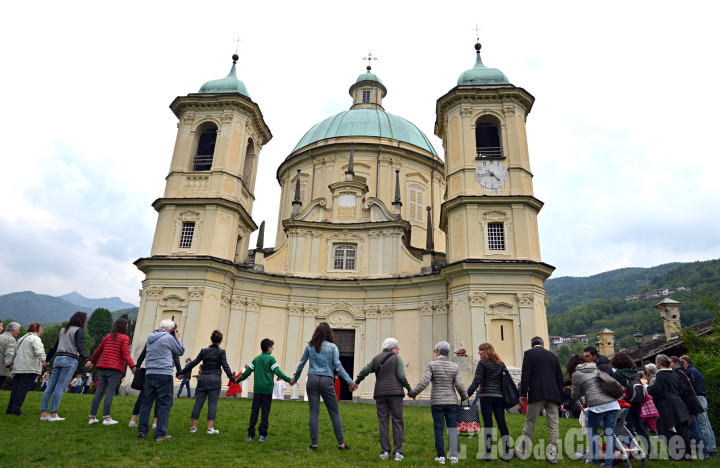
x: 324, y: 359
x: 602, y: 409
x: 69, y: 347
x: 488, y: 377
x: 445, y: 378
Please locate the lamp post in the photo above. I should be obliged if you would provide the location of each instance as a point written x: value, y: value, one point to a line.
x: 639, y: 339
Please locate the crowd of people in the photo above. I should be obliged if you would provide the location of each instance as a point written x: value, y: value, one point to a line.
x: 668, y: 397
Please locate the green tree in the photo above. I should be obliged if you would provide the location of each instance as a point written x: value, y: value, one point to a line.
x: 98, y: 325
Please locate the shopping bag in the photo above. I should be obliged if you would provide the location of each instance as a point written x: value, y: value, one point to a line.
x: 468, y: 419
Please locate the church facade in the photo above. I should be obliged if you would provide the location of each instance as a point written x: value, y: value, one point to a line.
x: 377, y: 234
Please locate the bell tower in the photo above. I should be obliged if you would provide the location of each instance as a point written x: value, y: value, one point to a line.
x: 207, y: 205
x: 490, y: 214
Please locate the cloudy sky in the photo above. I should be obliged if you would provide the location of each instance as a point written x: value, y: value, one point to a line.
x: 623, y: 134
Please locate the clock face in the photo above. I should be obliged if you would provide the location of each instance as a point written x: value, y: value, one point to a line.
x: 491, y: 174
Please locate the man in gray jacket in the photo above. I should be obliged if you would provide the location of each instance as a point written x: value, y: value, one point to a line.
x: 389, y: 383
x: 7, y: 350
x: 162, y: 344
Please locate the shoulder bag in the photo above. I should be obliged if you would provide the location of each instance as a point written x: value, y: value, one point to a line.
x: 610, y: 386
x: 511, y: 394
x: 139, y: 380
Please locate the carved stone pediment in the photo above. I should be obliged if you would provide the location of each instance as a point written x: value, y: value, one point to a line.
x: 314, y: 211
x: 501, y: 309
x: 379, y: 212
x: 355, y: 311
x: 173, y: 301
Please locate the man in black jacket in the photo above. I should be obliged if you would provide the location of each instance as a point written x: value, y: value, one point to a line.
x: 602, y: 362
x: 390, y: 380
x: 541, y: 384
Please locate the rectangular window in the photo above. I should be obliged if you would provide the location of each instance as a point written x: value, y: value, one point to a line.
x: 415, y: 209
x: 366, y: 97
x: 496, y: 236
x: 186, y: 236
x: 344, y: 257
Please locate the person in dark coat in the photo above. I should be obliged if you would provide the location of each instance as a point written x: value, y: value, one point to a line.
x: 698, y: 382
x: 601, y: 362
x: 208, y: 386
x: 541, y: 386
x: 673, y: 414
x: 625, y: 370
x: 687, y: 395
x: 390, y: 381
x: 488, y: 377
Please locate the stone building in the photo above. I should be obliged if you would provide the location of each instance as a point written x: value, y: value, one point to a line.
x: 378, y: 235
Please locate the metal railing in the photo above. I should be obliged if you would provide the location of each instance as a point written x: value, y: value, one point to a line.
x: 488, y: 152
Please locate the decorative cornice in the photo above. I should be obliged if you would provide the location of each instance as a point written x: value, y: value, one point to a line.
x: 477, y: 298
x: 153, y: 293
x: 525, y: 299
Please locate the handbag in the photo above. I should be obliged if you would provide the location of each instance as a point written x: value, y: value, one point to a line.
x: 511, y: 394
x: 468, y: 419
x: 139, y: 380
x: 610, y: 386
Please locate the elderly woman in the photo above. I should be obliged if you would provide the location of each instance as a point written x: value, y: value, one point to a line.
x: 7, y: 350
x: 29, y: 361
x: 488, y: 377
x: 445, y: 378
x: 673, y: 414
x: 601, y: 407
x: 324, y: 359
x: 390, y: 380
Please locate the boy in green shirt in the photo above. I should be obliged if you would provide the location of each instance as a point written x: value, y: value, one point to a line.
x: 264, y: 366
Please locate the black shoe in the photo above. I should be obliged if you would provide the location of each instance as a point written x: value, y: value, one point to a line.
x: 312, y: 447
x: 141, y: 436
x: 344, y: 447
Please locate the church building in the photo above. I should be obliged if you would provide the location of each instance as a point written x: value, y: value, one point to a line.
x: 378, y: 235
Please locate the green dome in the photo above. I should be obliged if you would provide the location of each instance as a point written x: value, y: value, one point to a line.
x: 482, y: 75
x: 229, y: 84
x: 368, y: 77
x: 367, y: 122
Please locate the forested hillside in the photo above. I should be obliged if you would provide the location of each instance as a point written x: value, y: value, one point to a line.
x: 568, y: 292
x: 625, y: 317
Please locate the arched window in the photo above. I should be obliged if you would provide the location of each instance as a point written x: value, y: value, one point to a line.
x: 344, y: 256
x: 487, y: 138
x: 247, y: 175
x: 205, y: 150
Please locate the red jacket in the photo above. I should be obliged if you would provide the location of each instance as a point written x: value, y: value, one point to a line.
x: 114, y: 353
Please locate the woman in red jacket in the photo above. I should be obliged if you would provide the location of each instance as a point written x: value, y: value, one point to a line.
x: 115, y: 351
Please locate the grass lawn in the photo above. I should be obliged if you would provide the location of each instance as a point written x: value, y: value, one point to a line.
x: 27, y: 441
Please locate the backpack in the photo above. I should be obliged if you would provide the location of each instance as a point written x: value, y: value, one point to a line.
x: 635, y: 391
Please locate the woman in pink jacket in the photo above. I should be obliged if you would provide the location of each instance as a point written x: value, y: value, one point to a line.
x: 114, y: 352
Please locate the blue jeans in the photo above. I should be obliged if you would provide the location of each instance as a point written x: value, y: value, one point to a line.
x: 607, y: 419
x: 705, y: 427
x: 445, y: 415
x: 62, y: 371
x: 185, y: 382
x: 157, y: 387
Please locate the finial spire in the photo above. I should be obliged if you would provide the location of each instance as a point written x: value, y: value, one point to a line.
x: 429, y: 243
x: 369, y: 58
x: 297, y: 204
x: 261, y: 236
x: 397, y: 204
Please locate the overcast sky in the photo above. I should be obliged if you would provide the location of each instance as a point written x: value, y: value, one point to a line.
x: 623, y: 134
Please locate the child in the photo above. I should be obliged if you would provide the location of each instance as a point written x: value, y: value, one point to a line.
x: 76, y: 384
x: 264, y: 366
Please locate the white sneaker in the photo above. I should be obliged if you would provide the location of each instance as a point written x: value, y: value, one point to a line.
x: 153, y: 426
x: 93, y: 421
x: 132, y: 424
x: 43, y: 419
x: 440, y: 460
x: 56, y: 418
x: 193, y: 430
x: 109, y: 423
x: 213, y: 431
x: 399, y: 457
x: 453, y: 459
x: 384, y: 456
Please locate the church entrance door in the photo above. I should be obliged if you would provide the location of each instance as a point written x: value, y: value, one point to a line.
x: 345, y: 340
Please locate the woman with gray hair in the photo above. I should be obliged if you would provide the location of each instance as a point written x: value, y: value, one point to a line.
x: 445, y: 377
x: 650, y: 371
x: 673, y: 414
x: 390, y: 380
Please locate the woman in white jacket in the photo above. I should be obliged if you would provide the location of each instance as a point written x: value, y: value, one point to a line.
x: 29, y: 362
